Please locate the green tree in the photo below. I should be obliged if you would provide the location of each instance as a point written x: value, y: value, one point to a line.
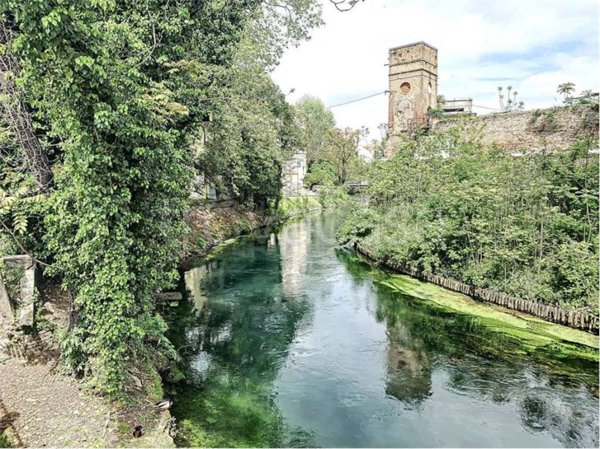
x: 119, y: 85
x: 126, y: 94
x: 566, y: 90
x: 276, y: 26
x: 341, y: 150
x: 249, y: 140
x: 253, y: 130
x: 314, y: 121
x: 449, y: 205
x: 321, y: 173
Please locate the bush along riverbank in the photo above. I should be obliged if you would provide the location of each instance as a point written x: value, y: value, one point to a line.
x: 210, y: 225
x: 520, y: 227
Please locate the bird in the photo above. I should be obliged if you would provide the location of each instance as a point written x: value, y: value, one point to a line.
x: 138, y: 431
x: 165, y: 404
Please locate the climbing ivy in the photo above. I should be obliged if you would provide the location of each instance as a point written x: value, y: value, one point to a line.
x: 131, y: 100
x: 117, y: 82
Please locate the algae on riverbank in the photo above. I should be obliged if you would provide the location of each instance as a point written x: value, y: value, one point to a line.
x: 499, y: 332
x: 497, y: 318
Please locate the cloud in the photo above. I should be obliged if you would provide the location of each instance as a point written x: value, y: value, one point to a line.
x: 532, y: 45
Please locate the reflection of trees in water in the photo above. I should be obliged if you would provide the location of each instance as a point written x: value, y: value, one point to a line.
x: 550, y: 394
x: 360, y: 270
x: 244, y: 333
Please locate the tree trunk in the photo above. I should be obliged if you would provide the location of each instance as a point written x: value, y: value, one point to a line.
x: 17, y: 115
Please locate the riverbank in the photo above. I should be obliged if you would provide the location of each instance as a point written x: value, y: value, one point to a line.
x: 210, y: 225
x: 574, y: 319
x: 528, y: 336
x: 533, y: 332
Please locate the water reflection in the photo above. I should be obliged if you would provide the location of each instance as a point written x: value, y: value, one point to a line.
x: 297, y: 346
x: 549, y: 397
x: 293, y: 243
x: 236, y: 346
x: 193, y: 280
x: 408, y: 366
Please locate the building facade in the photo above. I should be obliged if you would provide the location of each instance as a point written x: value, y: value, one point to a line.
x: 413, y: 86
x: 293, y: 172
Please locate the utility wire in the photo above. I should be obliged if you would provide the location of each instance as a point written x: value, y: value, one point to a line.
x: 486, y: 107
x: 385, y: 91
x: 357, y: 99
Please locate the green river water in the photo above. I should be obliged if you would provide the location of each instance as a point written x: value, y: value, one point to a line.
x: 289, y: 341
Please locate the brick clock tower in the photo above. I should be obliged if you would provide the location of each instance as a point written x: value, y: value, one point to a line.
x: 413, y: 86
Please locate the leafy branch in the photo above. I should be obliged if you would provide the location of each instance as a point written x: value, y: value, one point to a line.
x: 344, y: 5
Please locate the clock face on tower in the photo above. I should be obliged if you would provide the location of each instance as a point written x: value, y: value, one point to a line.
x: 405, y: 88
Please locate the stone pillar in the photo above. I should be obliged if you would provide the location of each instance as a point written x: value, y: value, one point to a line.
x: 7, y: 311
x: 18, y: 301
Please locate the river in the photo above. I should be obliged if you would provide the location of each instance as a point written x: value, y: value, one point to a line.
x: 289, y: 341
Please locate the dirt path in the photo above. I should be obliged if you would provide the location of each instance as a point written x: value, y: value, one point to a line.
x: 38, y: 409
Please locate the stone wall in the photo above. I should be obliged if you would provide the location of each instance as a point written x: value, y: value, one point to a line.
x: 523, y: 132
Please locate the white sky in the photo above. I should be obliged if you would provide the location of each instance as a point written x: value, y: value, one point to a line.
x: 533, y: 45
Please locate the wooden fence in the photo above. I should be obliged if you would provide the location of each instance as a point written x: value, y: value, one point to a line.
x: 577, y: 319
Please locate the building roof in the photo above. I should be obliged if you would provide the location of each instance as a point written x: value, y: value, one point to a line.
x: 412, y: 45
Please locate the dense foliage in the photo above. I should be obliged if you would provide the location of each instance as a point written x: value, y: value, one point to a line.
x: 341, y: 152
x: 336, y: 158
x: 314, y: 121
x: 525, y: 226
x: 117, y: 84
x: 130, y: 101
x: 331, y: 153
x: 251, y: 134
